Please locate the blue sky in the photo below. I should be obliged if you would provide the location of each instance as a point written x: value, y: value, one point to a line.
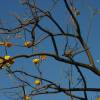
x: 52, y: 69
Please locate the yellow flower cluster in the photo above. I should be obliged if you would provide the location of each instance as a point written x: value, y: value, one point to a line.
x: 9, y: 59
x: 26, y: 97
x: 98, y: 98
x: 1, y: 61
x: 37, y: 82
x: 6, y: 60
x: 36, y: 61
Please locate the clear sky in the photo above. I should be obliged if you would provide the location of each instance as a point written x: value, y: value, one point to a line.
x: 52, y: 69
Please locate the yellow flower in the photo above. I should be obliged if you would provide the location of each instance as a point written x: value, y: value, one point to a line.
x: 36, y: 61
x: 9, y: 59
x: 43, y: 57
x: 27, y: 97
x: 1, y: 61
x: 37, y: 82
x: 27, y: 43
x: 98, y: 98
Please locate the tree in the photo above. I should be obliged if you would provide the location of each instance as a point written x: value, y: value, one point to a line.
x: 50, y: 52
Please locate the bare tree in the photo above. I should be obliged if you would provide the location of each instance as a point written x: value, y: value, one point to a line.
x: 47, y: 35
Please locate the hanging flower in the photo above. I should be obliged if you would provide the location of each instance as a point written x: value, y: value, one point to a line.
x: 37, y: 82
x: 27, y: 43
x: 36, y: 61
x: 26, y: 97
